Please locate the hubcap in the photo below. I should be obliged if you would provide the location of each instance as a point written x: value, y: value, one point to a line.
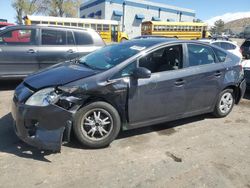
x: 97, y: 124
x: 226, y: 103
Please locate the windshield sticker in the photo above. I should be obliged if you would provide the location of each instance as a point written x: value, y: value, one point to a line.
x: 138, y: 48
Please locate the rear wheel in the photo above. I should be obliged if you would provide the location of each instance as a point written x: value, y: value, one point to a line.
x: 225, y: 103
x: 97, y: 124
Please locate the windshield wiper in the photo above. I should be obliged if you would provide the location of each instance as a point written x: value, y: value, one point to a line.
x: 86, y: 64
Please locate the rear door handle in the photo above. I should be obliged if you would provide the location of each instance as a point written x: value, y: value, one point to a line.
x: 71, y: 51
x: 31, y: 51
x: 217, y: 73
x: 180, y: 82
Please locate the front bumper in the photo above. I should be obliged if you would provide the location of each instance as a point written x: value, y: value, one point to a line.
x: 41, y: 127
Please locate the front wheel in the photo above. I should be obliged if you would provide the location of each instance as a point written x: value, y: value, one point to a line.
x: 97, y: 124
x: 225, y: 103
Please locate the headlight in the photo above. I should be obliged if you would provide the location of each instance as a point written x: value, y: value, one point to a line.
x: 43, y: 97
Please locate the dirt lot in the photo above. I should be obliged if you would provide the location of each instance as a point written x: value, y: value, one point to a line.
x: 195, y: 152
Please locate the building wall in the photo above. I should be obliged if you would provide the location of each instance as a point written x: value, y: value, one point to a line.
x: 132, y: 26
x: 94, y: 9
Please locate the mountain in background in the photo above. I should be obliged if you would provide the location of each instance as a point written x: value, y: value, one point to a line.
x: 237, y: 26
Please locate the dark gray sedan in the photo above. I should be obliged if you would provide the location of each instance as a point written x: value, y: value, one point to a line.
x: 133, y: 84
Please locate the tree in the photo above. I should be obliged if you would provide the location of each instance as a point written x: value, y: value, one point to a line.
x: 24, y: 7
x: 197, y: 20
x: 62, y: 8
x: 218, y: 26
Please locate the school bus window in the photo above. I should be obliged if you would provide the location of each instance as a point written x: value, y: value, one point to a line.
x: 59, y: 23
x: 45, y: 23
x: 87, y: 25
x: 99, y: 27
x: 52, y: 23
x: 35, y: 22
x: 105, y: 27
x: 80, y: 24
x: 66, y: 23
x: 93, y: 26
x: 74, y: 24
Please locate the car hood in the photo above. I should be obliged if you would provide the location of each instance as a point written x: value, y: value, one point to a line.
x: 58, y: 75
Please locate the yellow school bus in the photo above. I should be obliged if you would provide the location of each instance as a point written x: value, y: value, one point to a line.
x: 181, y: 30
x: 108, y: 29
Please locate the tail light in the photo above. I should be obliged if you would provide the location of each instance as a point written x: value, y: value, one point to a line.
x: 241, y: 50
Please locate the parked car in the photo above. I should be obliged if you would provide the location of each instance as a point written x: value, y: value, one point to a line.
x: 27, y: 49
x: 247, y: 32
x: 151, y: 36
x: 245, y: 48
x: 226, y: 45
x: 124, y: 86
x: 246, y: 67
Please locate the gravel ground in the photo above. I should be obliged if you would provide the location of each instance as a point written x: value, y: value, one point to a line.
x: 195, y: 152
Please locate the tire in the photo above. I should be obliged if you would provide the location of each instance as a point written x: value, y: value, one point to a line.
x: 224, y: 104
x: 91, y: 125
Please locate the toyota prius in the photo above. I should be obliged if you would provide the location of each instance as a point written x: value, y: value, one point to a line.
x: 125, y: 86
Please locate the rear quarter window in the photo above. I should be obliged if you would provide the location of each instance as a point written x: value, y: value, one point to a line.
x: 83, y: 38
x: 221, y: 56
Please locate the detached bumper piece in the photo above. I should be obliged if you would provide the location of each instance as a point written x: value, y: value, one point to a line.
x: 41, y: 127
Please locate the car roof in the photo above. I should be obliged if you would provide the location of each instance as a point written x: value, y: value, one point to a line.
x: 50, y: 26
x: 148, y: 42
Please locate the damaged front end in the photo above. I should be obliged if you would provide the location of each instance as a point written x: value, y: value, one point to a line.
x: 44, y: 118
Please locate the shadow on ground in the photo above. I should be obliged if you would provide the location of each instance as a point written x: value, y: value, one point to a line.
x: 161, y: 129
x: 10, y: 143
x: 9, y: 84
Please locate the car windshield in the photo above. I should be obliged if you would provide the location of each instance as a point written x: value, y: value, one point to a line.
x: 113, y: 55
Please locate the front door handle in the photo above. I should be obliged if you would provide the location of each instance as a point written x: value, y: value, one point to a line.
x: 31, y: 51
x: 217, y: 73
x: 179, y: 82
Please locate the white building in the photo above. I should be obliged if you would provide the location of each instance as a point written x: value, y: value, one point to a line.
x: 131, y: 13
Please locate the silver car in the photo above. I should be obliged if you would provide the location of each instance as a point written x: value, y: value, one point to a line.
x: 27, y: 49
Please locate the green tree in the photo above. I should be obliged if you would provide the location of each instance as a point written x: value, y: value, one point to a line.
x: 24, y: 7
x: 62, y: 8
x: 219, y: 26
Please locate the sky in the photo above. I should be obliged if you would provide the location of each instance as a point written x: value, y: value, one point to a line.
x: 205, y: 9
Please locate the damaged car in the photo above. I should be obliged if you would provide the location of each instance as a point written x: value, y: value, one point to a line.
x: 125, y: 86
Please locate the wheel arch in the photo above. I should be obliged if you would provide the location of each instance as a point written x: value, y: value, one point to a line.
x: 92, y: 99
x: 237, y: 92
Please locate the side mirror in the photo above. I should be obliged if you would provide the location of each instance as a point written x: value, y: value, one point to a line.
x: 142, y: 72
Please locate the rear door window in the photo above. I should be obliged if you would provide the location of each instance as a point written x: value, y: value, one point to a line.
x: 53, y: 37
x: 217, y: 44
x: 227, y: 46
x: 70, y: 38
x: 83, y: 38
x: 200, y: 55
x: 19, y: 37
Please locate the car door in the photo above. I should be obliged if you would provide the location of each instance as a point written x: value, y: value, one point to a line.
x: 204, y: 80
x: 162, y: 96
x: 18, y: 52
x: 56, y: 45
